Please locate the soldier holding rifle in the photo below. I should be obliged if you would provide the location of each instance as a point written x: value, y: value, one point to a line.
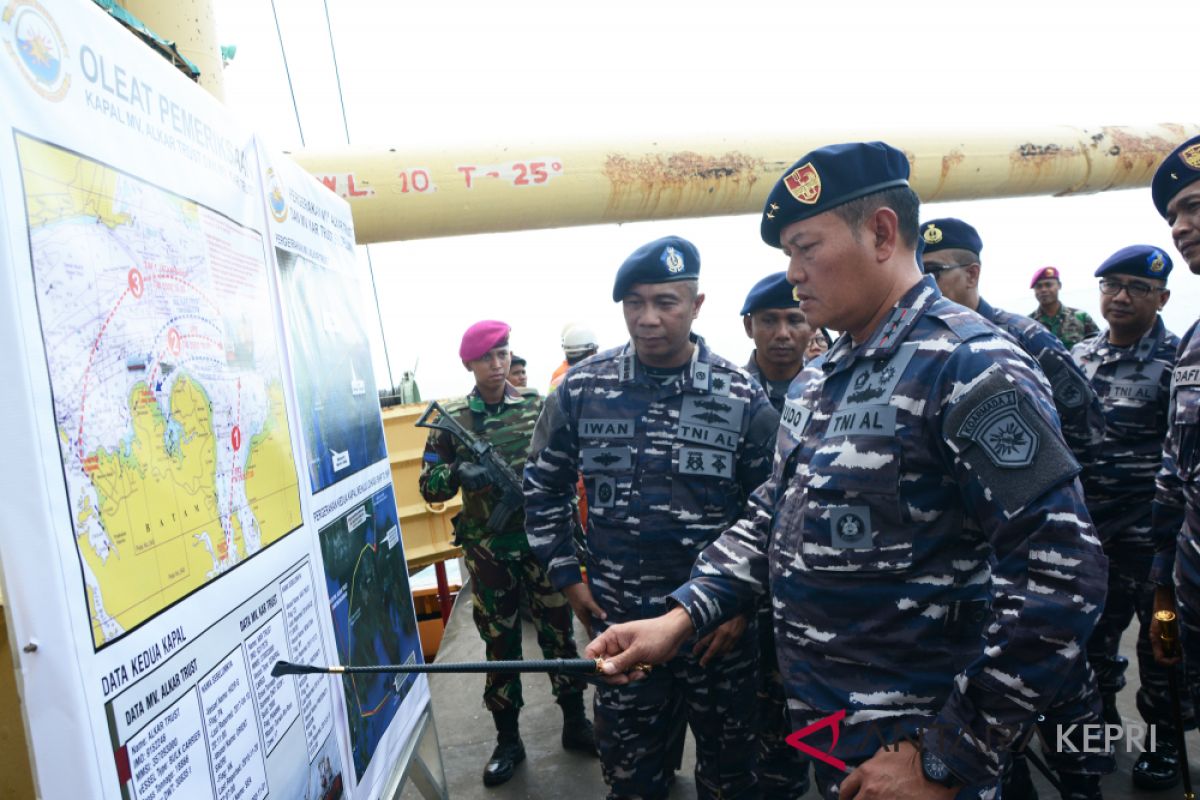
x: 476, y: 445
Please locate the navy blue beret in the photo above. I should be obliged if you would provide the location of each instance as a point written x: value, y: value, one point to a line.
x: 670, y: 258
x: 773, y: 291
x: 830, y: 177
x: 949, y: 233
x: 1180, y: 169
x: 1140, y: 260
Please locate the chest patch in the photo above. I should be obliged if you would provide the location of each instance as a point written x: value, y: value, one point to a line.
x: 606, y: 428
x: 863, y: 421
x: 606, y: 459
x: 713, y: 437
x: 794, y: 417
x: 713, y: 412
x: 872, y: 382
x: 703, y: 461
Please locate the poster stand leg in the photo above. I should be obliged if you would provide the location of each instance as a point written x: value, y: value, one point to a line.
x: 420, y: 763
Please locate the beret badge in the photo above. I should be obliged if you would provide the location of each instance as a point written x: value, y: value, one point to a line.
x: 932, y: 234
x: 1191, y: 156
x: 673, y: 260
x: 804, y: 184
x: 1156, y: 262
x: 795, y: 293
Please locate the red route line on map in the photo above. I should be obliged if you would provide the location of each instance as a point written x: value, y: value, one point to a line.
x: 88, y: 371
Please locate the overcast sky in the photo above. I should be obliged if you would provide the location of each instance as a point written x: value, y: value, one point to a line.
x: 477, y: 75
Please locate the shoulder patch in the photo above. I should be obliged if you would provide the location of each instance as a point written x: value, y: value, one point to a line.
x: 1011, y: 448
x: 1069, y: 387
x: 997, y: 425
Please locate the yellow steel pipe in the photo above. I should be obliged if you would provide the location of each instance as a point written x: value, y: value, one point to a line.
x: 401, y: 193
x: 192, y: 25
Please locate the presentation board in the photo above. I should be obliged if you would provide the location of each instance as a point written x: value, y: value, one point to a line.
x: 198, y: 484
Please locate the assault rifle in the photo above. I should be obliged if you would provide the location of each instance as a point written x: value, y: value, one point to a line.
x: 499, y: 474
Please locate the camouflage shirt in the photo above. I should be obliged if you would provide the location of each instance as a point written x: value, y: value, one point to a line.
x: 1177, y: 501
x: 509, y: 431
x: 667, y: 467
x: 1134, y: 386
x: 929, y: 556
x: 776, y: 390
x: 1078, y: 408
x: 1070, y: 325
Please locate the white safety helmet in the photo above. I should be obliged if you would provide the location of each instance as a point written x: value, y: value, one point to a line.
x: 577, y: 340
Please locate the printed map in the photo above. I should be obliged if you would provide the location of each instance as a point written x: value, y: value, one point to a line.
x: 167, y: 384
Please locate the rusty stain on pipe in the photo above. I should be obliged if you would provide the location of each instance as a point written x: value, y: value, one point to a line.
x: 649, y: 176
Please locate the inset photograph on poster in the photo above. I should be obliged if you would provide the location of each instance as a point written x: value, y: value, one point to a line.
x: 373, y: 617
x: 167, y: 384
x: 335, y: 382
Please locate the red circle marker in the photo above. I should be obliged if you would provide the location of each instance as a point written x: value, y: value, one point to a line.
x: 174, y: 341
x: 235, y: 437
x: 556, y: 166
x: 135, y: 283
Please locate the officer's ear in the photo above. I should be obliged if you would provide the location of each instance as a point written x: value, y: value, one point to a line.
x: 972, y: 271
x: 699, y: 301
x: 1163, y: 296
x: 748, y: 324
x: 884, y: 228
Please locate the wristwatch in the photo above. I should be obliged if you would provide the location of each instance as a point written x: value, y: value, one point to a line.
x: 936, y: 771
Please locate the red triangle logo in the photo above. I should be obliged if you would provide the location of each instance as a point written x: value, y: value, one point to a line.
x: 832, y: 721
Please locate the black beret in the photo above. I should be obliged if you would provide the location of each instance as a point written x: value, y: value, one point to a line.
x: 1140, y: 260
x: 949, y: 233
x: 830, y: 177
x: 773, y: 291
x: 671, y: 258
x: 1180, y: 169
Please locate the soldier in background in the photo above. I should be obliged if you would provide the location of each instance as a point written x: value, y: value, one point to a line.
x: 929, y: 556
x: 670, y: 438
x: 1176, y: 571
x: 773, y: 320
x: 500, y: 564
x: 1070, y: 325
x: 1129, y: 365
x: 517, y: 375
x: 818, y: 343
x: 952, y: 256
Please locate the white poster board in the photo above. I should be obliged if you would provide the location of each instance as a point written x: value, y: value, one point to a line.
x: 161, y: 549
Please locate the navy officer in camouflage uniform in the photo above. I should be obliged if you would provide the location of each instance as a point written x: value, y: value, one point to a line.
x: 1130, y: 366
x: 501, y: 566
x: 774, y: 322
x: 671, y: 439
x: 951, y: 253
x: 923, y: 536
x: 1176, y: 570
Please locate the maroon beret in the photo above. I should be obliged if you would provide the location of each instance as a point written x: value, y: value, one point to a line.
x: 1045, y: 272
x: 481, y: 337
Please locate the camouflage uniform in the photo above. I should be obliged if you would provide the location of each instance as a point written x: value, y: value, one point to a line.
x: 929, y: 556
x: 1177, y: 505
x: 1134, y: 384
x: 782, y: 770
x: 1076, y: 402
x: 501, y: 566
x: 666, y: 468
x: 1082, y: 418
x: 1070, y: 325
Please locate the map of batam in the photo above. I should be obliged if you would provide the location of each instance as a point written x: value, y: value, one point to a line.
x: 166, y: 377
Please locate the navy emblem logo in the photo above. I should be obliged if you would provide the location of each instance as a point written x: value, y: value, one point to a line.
x: 932, y: 234
x: 606, y: 490
x: 674, y: 261
x: 998, y: 427
x: 37, y: 46
x: 1191, y: 156
x: 850, y: 527
x: 1156, y: 262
